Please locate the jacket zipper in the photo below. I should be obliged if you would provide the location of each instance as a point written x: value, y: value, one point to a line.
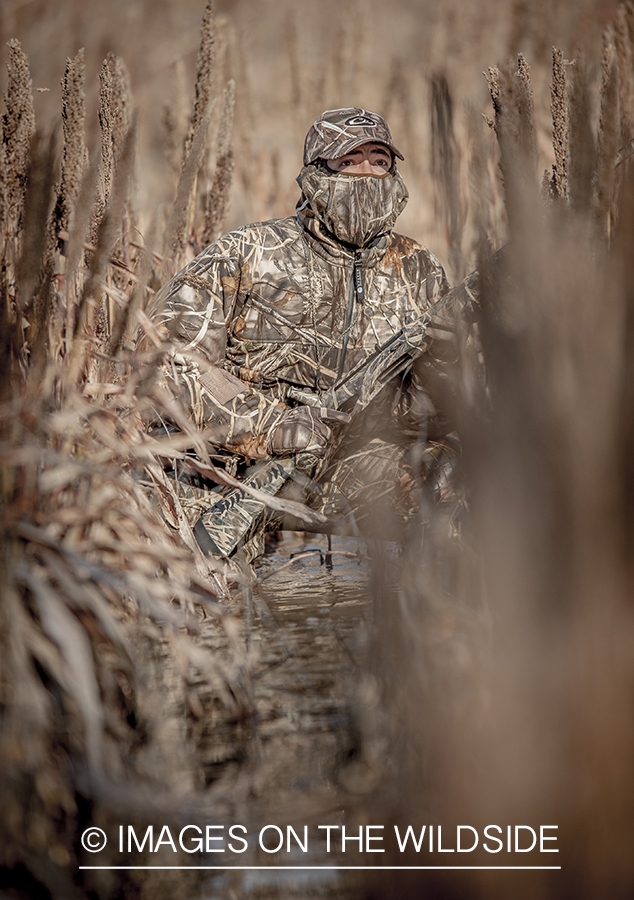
x: 357, y: 293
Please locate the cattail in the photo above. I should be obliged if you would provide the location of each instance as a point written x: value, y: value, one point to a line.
x: 114, y: 116
x: 219, y: 194
x: 75, y: 155
x: 559, y: 111
x: 18, y: 127
x: 204, y: 76
x: 525, y: 104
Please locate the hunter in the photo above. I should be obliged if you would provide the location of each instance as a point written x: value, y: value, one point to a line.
x: 267, y: 317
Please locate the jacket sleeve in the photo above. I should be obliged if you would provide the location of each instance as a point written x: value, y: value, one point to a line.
x: 194, y: 313
x: 429, y: 395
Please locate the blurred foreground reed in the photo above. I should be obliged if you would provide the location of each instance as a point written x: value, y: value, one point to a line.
x: 507, y: 689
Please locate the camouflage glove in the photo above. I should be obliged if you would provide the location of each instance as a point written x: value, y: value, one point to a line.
x: 298, y: 430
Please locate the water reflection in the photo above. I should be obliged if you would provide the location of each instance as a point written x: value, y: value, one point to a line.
x: 306, y: 629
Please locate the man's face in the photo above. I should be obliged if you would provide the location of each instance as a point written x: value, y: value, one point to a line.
x: 368, y: 159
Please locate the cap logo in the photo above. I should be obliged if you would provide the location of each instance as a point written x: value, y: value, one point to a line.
x: 360, y: 120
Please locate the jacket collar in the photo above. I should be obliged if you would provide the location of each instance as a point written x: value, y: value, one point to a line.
x: 333, y: 251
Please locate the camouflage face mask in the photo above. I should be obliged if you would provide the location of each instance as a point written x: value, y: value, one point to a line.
x: 355, y: 208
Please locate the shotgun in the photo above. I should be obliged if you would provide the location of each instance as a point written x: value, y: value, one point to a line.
x: 237, y: 514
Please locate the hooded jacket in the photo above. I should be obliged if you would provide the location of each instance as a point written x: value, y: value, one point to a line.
x: 283, y: 305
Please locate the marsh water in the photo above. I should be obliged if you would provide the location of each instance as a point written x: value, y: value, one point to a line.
x: 295, y: 762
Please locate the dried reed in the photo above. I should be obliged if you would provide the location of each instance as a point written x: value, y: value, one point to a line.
x: 114, y: 117
x: 623, y: 46
x: 204, y: 78
x: 18, y: 126
x: 445, y: 163
x: 75, y: 154
x: 525, y: 106
x: 34, y: 270
x: 178, y: 228
x: 583, y: 153
x: 173, y: 120
x: 609, y: 138
x: 559, y: 111
x: 91, y: 320
x: 519, y: 672
x: 88, y: 562
x: 217, y: 200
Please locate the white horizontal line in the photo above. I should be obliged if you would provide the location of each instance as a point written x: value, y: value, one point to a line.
x: 334, y: 868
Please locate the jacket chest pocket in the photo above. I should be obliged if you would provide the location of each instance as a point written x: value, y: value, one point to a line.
x: 271, y: 316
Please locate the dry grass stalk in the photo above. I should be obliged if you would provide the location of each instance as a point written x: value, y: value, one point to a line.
x: 18, y: 127
x: 86, y: 560
x: 34, y: 270
x: 445, y: 163
x: 347, y: 51
x: 623, y: 45
x: 176, y: 233
x: 625, y: 465
x: 561, y: 126
x: 609, y: 139
x: 583, y: 161
x: 4, y: 212
x: 114, y: 116
x: 75, y: 154
x: 75, y: 251
x: 482, y: 202
x: 515, y: 694
x: 217, y: 201
x: 492, y: 76
x: 174, y: 118
x: 525, y: 101
x: 86, y: 563
x: 204, y: 77
x: 396, y: 107
x: 296, y: 70
x: 516, y: 159
x: 126, y: 317
x: 88, y: 326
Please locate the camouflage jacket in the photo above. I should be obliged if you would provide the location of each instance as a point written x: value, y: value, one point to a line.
x: 265, y: 308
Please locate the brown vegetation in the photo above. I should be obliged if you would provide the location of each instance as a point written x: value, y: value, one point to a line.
x: 515, y: 653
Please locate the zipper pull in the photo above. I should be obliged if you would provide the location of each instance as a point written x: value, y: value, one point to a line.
x: 358, y: 277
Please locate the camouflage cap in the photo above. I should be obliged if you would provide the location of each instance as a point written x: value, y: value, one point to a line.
x: 339, y: 131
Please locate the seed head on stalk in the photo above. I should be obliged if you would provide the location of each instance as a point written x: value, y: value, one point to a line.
x: 18, y: 127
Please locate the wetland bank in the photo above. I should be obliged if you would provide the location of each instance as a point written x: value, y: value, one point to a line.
x: 481, y: 679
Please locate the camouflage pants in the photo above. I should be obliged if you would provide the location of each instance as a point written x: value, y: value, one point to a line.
x: 371, y: 492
